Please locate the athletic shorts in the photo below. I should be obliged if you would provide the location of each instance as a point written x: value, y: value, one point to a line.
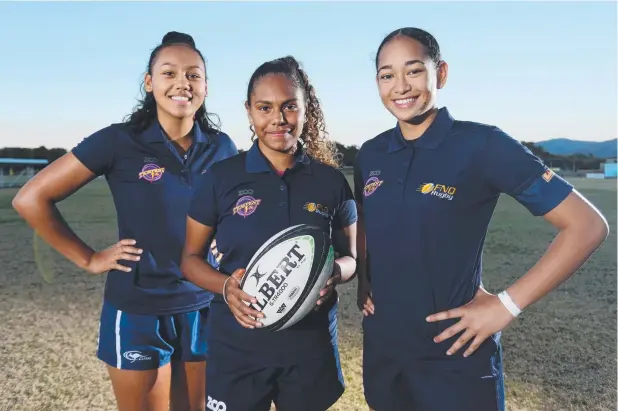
x: 243, y: 384
x: 145, y: 342
x: 395, y: 385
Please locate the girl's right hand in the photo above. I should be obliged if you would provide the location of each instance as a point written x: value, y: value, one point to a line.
x: 106, y: 260
x: 236, y: 298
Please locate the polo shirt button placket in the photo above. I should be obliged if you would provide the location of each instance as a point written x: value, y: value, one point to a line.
x: 283, y: 196
x: 407, y: 163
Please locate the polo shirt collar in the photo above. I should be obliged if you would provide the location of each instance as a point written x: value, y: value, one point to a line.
x: 255, y: 161
x: 431, y: 138
x: 154, y: 134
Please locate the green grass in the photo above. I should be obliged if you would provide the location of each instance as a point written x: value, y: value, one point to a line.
x: 559, y: 355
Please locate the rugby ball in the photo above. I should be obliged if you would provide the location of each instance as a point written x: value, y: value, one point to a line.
x: 287, y: 274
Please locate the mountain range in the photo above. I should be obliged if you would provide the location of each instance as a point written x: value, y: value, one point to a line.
x: 565, y: 147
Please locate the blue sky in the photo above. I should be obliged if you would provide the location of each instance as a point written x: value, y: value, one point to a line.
x: 537, y: 70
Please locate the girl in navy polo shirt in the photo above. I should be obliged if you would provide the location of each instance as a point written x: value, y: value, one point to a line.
x: 427, y: 189
x: 151, y: 315
x: 290, y: 177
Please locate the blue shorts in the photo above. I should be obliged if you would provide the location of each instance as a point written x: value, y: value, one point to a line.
x: 394, y: 385
x: 311, y: 384
x: 145, y: 342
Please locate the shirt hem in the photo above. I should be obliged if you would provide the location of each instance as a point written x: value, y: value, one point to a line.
x: 130, y: 309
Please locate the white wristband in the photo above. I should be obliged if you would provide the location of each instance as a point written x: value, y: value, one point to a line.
x: 509, y: 304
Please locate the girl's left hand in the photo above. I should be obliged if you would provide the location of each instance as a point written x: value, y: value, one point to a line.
x: 480, y: 318
x: 332, y: 282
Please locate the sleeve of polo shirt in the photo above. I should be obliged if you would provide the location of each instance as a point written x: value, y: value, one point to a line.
x: 204, y: 205
x: 511, y: 168
x: 97, y: 151
x: 346, y: 214
x: 232, y: 149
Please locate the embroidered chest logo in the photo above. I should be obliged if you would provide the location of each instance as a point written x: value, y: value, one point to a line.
x: 246, y: 205
x: 371, y: 186
x: 151, y: 172
x: 318, y: 209
x: 438, y: 190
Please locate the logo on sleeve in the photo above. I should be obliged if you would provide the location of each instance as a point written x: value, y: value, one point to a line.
x: 318, y: 209
x: 246, y: 205
x: 438, y: 190
x: 151, y: 172
x: 548, y: 175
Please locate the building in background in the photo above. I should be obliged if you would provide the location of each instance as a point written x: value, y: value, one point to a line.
x: 609, y: 168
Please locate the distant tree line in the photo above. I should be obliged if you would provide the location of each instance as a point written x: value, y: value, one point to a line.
x: 348, y: 154
x: 40, y: 153
x: 572, y: 162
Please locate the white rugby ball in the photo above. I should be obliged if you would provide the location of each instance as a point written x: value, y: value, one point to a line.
x: 287, y: 274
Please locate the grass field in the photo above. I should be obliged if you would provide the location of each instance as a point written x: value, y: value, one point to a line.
x: 559, y: 355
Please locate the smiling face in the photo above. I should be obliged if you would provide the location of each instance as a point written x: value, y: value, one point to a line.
x: 408, y: 80
x: 277, y: 111
x: 177, y: 81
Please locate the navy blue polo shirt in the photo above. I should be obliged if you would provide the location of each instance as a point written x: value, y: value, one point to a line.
x: 427, y: 205
x: 276, y: 203
x: 152, y: 186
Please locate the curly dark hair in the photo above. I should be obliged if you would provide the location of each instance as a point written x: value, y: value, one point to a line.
x: 146, y: 110
x: 315, y: 138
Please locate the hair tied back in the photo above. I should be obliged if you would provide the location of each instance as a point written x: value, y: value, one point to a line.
x: 174, y: 37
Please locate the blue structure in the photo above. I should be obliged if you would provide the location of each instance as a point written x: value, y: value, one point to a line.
x: 23, y: 161
x: 610, y: 170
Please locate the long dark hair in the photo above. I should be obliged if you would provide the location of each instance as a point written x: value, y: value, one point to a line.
x: 145, y: 113
x: 314, y: 135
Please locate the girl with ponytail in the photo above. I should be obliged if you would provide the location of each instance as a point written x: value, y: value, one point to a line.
x: 152, y: 327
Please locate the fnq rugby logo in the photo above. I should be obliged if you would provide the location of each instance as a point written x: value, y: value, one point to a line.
x: 438, y: 190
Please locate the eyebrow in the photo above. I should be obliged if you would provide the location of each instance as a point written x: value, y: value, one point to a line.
x: 408, y: 63
x: 190, y: 67
x: 269, y: 102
